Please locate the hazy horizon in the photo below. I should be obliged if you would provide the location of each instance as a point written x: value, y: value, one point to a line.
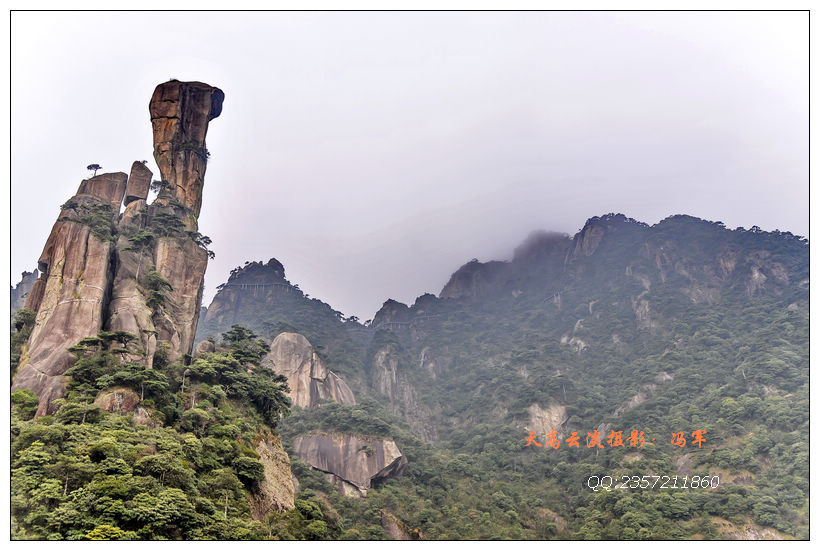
x: 375, y: 153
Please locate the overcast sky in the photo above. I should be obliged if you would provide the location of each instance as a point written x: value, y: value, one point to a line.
x: 374, y: 153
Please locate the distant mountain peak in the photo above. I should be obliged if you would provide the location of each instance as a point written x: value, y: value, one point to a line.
x: 258, y: 272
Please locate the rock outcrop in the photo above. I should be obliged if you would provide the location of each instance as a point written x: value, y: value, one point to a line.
x: 309, y: 379
x: 71, y: 295
x: 389, y: 379
x: 748, y: 531
x: 126, y: 402
x: 276, y: 491
x: 354, y: 462
x: 397, y: 529
x: 474, y: 279
x: 392, y: 311
x: 141, y: 272
x: 19, y: 293
x: 180, y: 113
x: 587, y: 240
x: 545, y: 420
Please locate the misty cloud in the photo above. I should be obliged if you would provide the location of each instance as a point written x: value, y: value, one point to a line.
x: 374, y: 153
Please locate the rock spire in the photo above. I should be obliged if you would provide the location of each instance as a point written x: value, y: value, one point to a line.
x: 141, y: 271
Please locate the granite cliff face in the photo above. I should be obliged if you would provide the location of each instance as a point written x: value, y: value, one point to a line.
x: 387, y: 378
x: 545, y: 420
x: 309, y: 380
x: 354, y: 462
x: 275, y: 492
x: 140, y: 272
x: 72, y: 293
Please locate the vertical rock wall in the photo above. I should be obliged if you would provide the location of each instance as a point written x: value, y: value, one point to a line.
x: 71, y: 296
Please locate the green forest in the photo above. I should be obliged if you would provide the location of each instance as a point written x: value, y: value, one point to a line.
x: 660, y: 329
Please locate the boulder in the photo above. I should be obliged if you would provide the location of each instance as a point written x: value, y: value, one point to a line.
x: 204, y: 347
x: 139, y: 182
x: 109, y: 187
x: 355, y: 460
x: 125, y: 401
x: 117, y: 400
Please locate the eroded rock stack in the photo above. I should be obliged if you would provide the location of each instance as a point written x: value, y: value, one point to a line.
x: 140, y: 272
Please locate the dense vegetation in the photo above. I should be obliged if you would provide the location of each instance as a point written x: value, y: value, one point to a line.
x: 680, y: 327
x: 85, y: 473
x: 98, y: 216
x: 708, y: 351
x: 21, y: 325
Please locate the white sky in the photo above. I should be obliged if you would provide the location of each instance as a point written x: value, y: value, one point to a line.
x: 374, y: 153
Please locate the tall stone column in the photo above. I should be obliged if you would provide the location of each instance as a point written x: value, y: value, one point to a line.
x: 180, y: 113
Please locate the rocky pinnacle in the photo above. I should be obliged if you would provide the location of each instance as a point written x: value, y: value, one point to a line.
x: 95, y: 261
x: 180, y: 113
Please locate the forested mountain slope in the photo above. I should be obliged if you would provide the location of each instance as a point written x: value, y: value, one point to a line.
x: 682, y: 327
